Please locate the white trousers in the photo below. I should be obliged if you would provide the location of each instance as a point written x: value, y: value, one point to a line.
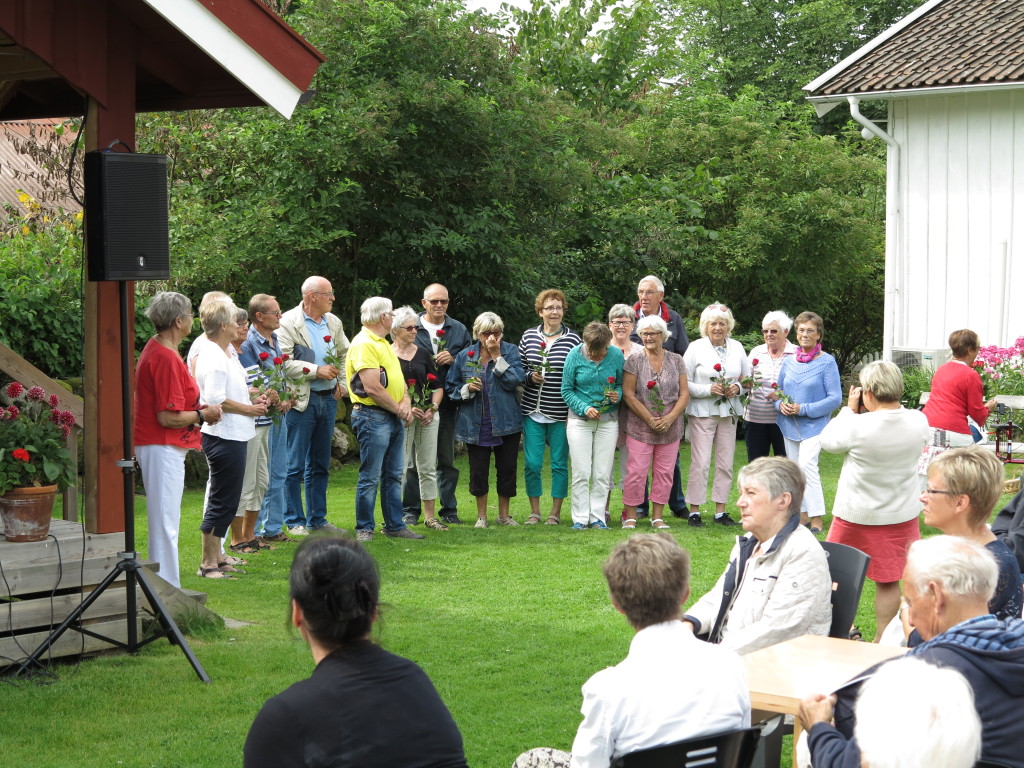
x: 805, y: 453
x: 163, y: 475
x: 421, y: 455
x: 257, y: 472
x: 592, y: 451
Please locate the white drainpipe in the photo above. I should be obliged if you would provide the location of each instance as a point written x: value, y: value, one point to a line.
x: 892, y: 233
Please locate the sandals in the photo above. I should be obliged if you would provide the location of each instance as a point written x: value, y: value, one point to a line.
x: 659, y: 524
x: 533, y: 519
x: 553, y: 520
x: 227, y: 567
x: 856, y: 635
x: 434, y: 524
x: 213, y: 573
x: 232, y: 560
x: 628, y: 524
x: 261, y: 542
x: 245, y: 547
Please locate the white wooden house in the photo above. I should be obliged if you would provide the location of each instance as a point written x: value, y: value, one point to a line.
x: 952, y: 74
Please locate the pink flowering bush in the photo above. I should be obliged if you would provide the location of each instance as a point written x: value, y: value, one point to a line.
x: 1002, y: 369
x: 33, y: 439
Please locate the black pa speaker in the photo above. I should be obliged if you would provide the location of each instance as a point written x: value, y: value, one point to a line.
x: 126, y: 216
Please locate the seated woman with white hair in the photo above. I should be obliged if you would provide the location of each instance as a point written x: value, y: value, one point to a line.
x: 777, y: 584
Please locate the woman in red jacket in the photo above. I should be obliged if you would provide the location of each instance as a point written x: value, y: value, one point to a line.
x: 957, y: 392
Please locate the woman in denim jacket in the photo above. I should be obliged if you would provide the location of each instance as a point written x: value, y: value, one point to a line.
x: 483, y: 381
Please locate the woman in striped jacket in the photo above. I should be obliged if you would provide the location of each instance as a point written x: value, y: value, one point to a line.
x: 543, y: 350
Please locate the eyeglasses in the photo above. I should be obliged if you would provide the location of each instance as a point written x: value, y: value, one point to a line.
x: 386, y: 314
x: 932, y: 492
x: 442, y: 302
x: 324, y: 293
x: 647, y: 293
x: 489, y: 334
x: 718, y: 307
x: 410, y: 328
x: 621, y: 322
x: 649, y: 334
x: 767, y: 331
x: 555, y: 308
x: 277, y: 313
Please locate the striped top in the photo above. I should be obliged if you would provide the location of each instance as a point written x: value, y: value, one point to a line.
x: 547, y: 397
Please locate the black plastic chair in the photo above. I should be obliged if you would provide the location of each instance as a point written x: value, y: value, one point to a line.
x: 730, y: 749
x: 848, y: 567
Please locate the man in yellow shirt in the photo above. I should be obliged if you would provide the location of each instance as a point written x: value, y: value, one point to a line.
x: 380, y: 413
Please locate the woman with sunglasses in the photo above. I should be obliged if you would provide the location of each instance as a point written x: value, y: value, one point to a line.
x: 716, y: 365
x: 483, y: 381
x: 763, y: 436
x: 420, y: 374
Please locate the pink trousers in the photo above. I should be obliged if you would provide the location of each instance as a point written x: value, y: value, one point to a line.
x: 707, y: 433
x: 644, y: 457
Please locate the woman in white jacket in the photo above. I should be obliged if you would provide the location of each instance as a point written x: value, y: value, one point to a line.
x: 716, y: 365
x: 876, y: 506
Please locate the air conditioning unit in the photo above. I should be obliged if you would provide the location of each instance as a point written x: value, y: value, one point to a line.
x: 917, y: 357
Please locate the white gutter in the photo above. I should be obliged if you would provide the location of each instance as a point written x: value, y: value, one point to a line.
x: 222, y: 45
x: 892, y: 225
x: 824, y: 104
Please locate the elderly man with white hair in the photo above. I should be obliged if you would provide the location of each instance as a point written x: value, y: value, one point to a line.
x: 381, y: 411
x: 947, y: 584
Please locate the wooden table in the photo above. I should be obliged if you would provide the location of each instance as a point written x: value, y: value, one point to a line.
x: 782, y: 675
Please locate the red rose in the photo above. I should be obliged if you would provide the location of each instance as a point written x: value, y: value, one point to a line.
x: 611, y: 379
x: 285, y: 358
x: 305, y: 370
x: 21, y: 454
x: 411, y: 382
x: 775, y: 385
x: 718, y: 367
x: 431, y: 377
x: 264, y: 355
x: 652, y: 384
x: 470, y: 354
x: 754, y: 362
x: 439, y: 333
x: 14, y: 389
x: 327, y: 339
x: 278, y: 360
x: 543, y: 344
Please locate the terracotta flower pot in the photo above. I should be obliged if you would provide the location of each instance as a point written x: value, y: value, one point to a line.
x: 26, y: 512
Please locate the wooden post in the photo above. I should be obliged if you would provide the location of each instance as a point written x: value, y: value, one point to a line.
x: 109, y: 121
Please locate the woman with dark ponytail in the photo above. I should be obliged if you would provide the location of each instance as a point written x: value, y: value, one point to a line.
x: 362, y: 706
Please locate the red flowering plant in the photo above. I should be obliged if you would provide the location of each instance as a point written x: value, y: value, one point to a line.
x: 609, y: 390
x: 654, y: 395
x: 333, y: 355
x: 423, y: 397
x: 1002, y: 369
x: 273, y: 379
x: 33, y: 439
x: 442, y: 342
x: 751, y: 382
x: 474, y: 365
x: 543, y: 367
x: 724, y: 382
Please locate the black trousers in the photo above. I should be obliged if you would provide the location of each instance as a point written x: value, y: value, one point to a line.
x: 226, y: 459
x: 506, y: 463
x: 763, y: 439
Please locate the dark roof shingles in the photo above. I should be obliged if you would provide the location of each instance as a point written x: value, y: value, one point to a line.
x: 959, y: 42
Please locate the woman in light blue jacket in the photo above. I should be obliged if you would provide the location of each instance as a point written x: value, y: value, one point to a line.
x: 810, y: 391
x: 482, y: 381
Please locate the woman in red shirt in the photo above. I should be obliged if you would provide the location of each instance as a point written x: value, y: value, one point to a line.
x: 167, y: 420
x: 957, y: 392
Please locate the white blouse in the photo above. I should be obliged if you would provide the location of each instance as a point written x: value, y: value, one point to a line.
x: 701, y: 358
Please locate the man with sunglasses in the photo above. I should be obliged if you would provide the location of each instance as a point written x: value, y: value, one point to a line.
x: 443, y: 337
x: 651, y: 294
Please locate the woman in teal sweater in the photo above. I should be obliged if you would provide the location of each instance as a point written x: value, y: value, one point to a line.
x: 592, y: 388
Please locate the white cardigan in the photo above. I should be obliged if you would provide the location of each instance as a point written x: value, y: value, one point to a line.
x: 700, y: 359
x: 879, y: 484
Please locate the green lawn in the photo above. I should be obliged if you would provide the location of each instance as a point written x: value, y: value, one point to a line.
x: 508, y: 623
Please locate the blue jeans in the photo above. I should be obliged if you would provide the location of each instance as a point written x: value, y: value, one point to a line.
x: 381, y: 437
x: 310, y: 433
x: 271, y: 516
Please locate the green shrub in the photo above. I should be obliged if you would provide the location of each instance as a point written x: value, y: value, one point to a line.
x: 915, y: 381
